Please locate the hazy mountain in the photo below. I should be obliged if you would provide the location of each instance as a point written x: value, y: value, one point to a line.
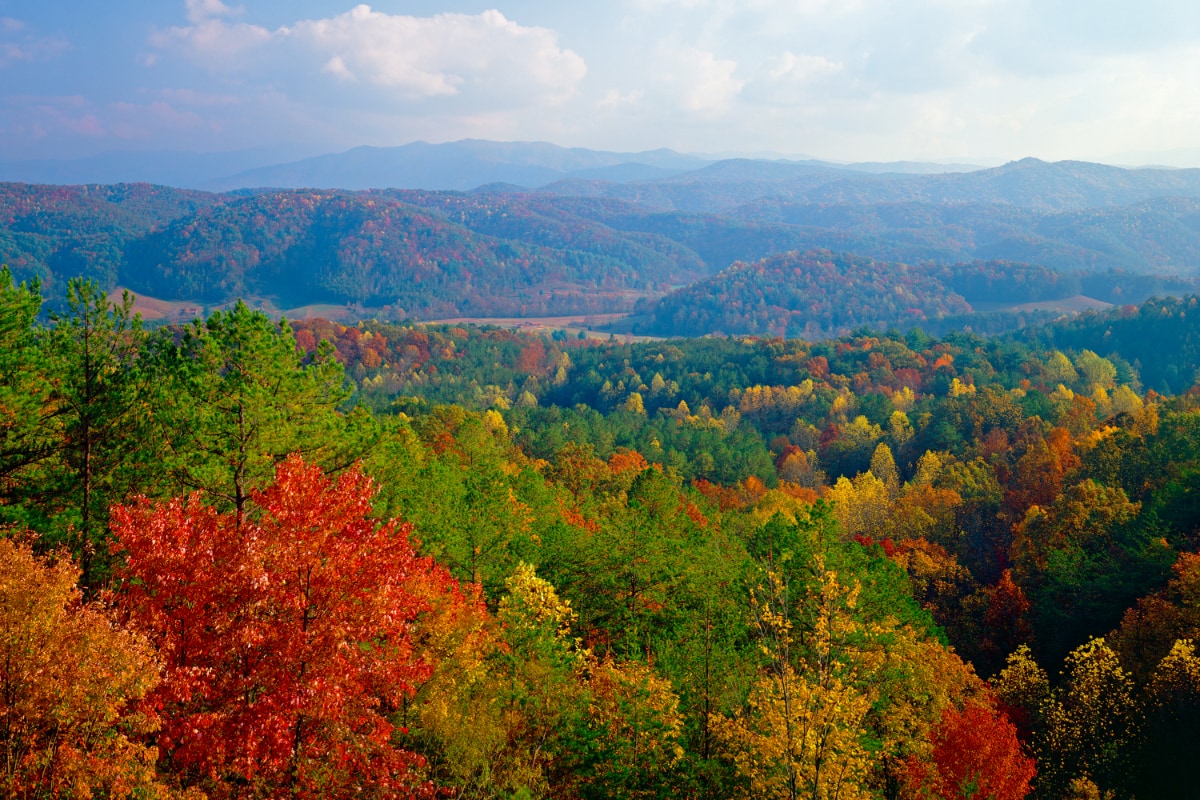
x: 469, y: 164
x: 909, y: 167
x: 1029, y: 183
x: 460, y: 166
x: 716, y: 188
x: 165, y: 168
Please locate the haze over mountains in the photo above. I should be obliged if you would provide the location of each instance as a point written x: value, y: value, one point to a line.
x: 485, y: 228
x: 460, y: 165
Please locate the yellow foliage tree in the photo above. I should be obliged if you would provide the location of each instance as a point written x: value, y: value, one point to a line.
x: 862, y: 506
x: 883, y: 467
x: 1090, y: 722
x: 519, y: 708
x: 68, y: 682
x: 636, y: 715
x: 802, y: 733
x: 634, y: 403
x: 1059, y: 370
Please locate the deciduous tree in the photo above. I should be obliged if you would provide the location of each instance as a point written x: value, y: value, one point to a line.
x: 287, y: 639
x: 68, y: 682
x: 975, y: 753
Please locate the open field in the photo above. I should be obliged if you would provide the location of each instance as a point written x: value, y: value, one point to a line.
x: 1067, y: 305
x: 154, y: 309
x: 592, y: 326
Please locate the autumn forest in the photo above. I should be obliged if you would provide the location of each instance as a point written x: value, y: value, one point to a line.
x: 243, y: 557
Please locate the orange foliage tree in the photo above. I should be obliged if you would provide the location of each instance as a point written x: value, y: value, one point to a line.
x: 976, y: 753
x: 287, y: 641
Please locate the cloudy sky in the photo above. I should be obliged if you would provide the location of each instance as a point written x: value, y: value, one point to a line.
x: 948, y: 80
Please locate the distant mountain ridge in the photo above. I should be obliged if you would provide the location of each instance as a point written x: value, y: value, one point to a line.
x: 461, y: 165
x: 1031, y: 184
x: 660, y: 180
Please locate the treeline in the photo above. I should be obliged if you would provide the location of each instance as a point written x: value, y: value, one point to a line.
x: 1160, y: 337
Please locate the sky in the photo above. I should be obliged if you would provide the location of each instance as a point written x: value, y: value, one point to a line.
x: 970, y: 81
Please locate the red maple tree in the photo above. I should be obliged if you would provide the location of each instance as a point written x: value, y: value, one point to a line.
x: 287, y: 638
x: 976, y: 753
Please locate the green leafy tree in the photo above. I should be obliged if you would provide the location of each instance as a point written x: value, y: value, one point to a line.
x: 236, y: 398
x: 1083, y: 561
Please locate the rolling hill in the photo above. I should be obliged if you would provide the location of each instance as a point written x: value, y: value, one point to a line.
x: 585, y: 246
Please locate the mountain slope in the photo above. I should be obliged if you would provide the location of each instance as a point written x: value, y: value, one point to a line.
x: 373, y: 248
x: 54, y: 232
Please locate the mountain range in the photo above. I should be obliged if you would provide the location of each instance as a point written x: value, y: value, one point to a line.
x: 550, y: 230
x: 462, y: 165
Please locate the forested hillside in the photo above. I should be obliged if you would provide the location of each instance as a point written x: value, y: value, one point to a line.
x: 245, y: 559
x: 56, y: 232
x: 1160, y: 337
x: 817, y: 293
x: 307, y: 247
x: 587, y: 248
x: 812, y: 294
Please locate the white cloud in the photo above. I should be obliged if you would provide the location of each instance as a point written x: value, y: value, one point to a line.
x: 802, y: 67
x: 403, y: 57
x: 846, y: 79
x: 699, y: 81
x: 200, y: 10
x: 218, y: 44
x: 336, y: 67
x: 615, y: 99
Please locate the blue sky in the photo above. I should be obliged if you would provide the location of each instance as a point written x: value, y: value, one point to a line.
x: 949, y: 80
